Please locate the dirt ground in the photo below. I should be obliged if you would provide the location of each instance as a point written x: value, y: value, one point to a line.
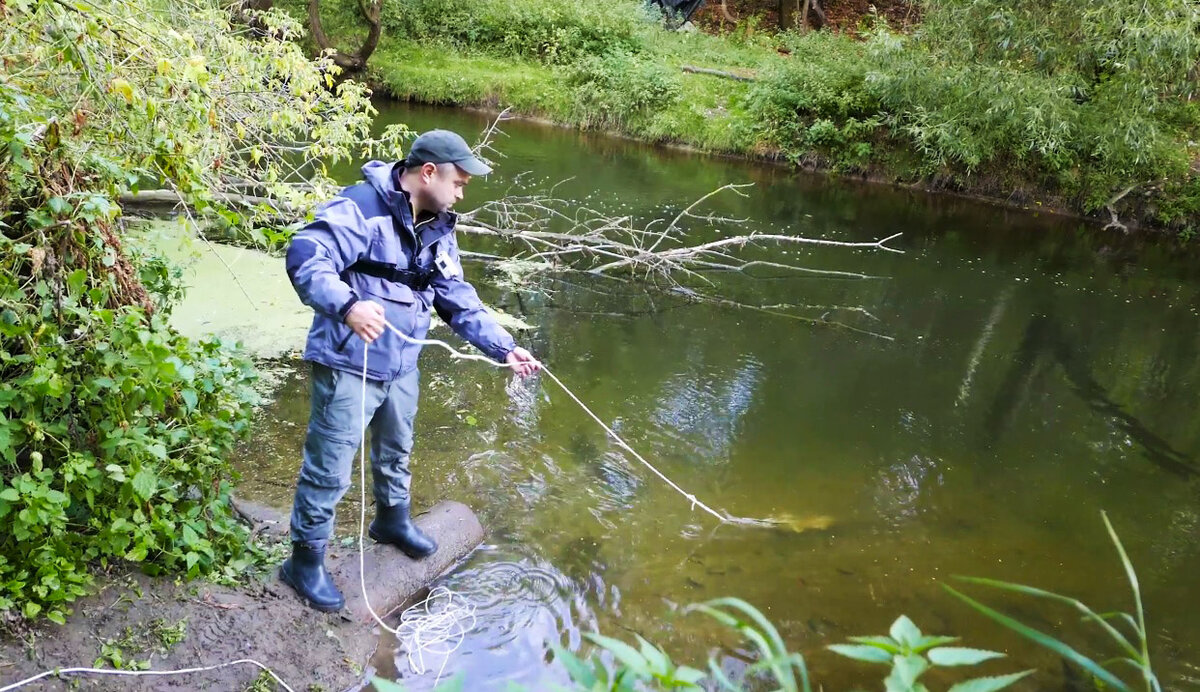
x: 138, y: 620
x: 134, y: 620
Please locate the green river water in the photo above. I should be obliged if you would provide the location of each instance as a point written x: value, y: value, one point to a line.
x: 1012, y: 376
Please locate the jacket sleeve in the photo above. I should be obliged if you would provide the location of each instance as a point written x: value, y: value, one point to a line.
x: 320, y: 252
x: 459, y: 306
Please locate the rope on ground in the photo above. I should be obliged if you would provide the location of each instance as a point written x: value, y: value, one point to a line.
x: 59, y: 672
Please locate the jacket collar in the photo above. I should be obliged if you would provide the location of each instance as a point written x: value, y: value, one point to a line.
x: 383, y: 177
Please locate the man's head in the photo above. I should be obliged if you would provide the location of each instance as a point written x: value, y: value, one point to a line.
x: 438, y: 167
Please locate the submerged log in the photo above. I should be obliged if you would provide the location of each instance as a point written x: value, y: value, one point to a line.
x: 392, y: 578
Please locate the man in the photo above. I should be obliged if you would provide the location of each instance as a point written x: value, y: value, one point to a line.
x: 381, y: 250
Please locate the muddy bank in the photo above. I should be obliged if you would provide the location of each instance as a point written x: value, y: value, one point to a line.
x: 136, y: 622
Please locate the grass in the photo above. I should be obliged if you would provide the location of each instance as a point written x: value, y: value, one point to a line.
x: 882, y: 109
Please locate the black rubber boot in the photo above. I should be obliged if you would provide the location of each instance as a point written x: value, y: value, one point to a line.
x: 394, y: 526
x: 305, y: 572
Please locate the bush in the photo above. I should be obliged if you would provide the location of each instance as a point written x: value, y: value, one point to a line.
x: 552, y: 31
x: 113, y: 437
x: 818, y: 99
x: 617, y: 87
x: 114, y: 429
x: 1090, y: 96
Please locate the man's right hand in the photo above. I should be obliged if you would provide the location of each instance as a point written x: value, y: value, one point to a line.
x: 366, y: 318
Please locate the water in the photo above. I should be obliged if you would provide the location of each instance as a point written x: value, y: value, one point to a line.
x: 1010, y: 376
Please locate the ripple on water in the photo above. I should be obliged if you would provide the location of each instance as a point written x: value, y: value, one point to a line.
x: 521, y: 603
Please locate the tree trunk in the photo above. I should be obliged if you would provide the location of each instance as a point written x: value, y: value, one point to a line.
x: 350, y: 62
x: 787, y: 14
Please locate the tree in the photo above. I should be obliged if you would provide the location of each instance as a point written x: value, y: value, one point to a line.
x: 358, y: 59
x: 113, y: 428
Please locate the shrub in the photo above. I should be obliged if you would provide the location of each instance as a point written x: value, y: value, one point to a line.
x: 1091, y: 96
x: 817, y: 99
x: 554, y: 31
x: 618, y: 87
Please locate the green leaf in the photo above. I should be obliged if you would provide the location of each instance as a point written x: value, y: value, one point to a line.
x: 960, y: 656
x: 905, y: 632
x: 1075, y: 603
x: 383, y: 685
x: 10, y: 495
x: 658, y: 661
x: 861, y: 652
x: 626, y: 654
x: 56, y: 616
x: 932, y: 641
x: 988, y: 684
x: 145, y: 483
x: 32, y: 609
x: 190, y: 399
x: 906, y: 669
x: 886, y: 643
x: 580, y: 673
x: 689, y: 675
x: 76, y: 281
x: 1042, y: 639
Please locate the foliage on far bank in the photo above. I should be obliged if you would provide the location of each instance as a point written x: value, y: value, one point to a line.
x: 114, y: 429
x: 1087, y: 106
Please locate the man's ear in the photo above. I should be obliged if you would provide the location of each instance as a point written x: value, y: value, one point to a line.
x: 428, y: 170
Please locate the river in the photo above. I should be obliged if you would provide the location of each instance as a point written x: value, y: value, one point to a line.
x: 969, y: 409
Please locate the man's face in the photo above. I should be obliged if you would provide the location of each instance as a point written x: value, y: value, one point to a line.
x: 444, y: 185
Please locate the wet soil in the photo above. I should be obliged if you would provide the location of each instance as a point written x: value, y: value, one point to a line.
x: 133, y: 620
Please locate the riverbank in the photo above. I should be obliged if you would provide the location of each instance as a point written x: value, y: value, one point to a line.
x: 882, y: 108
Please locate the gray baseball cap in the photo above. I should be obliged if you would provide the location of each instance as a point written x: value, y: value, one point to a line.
x: 444, y: 146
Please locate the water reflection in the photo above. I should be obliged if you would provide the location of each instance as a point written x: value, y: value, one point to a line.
x: 1036, y: 367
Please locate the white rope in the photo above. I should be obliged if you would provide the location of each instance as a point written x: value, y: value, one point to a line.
x: 140, y: 673
x: 723, y: 517
x: 438, y: 629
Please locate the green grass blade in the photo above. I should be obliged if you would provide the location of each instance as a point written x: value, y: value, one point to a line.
x: 1042, y: 639
x: 759, y: 619
x: 1121, y: 640
x: 783, y: 675
x: 1147, y: 672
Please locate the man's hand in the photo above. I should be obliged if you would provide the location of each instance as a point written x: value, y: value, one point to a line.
x: 366, y: 318
x: 523, y: 363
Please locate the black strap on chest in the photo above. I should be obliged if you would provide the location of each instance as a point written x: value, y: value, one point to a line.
x: 416, y: 279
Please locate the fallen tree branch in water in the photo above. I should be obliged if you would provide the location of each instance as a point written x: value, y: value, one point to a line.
x: 548, y: 238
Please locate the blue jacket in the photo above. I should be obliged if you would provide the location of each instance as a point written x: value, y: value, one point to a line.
x: 373, y: 221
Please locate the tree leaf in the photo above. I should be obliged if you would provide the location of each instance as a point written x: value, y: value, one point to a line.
x: 988, y: 684
x: 861, y: 652
x: 960, y: 656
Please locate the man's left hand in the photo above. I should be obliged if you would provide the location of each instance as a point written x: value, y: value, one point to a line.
x: 523, y: 363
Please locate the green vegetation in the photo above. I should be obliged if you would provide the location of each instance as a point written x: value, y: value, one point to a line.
x: 114, y: 429
x: 1088, y: 107
x: 156, y: 637
x: 908, y: 653
x: 1134, y: 656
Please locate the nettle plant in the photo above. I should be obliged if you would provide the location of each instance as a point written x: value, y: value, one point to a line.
x: 910, y: 653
